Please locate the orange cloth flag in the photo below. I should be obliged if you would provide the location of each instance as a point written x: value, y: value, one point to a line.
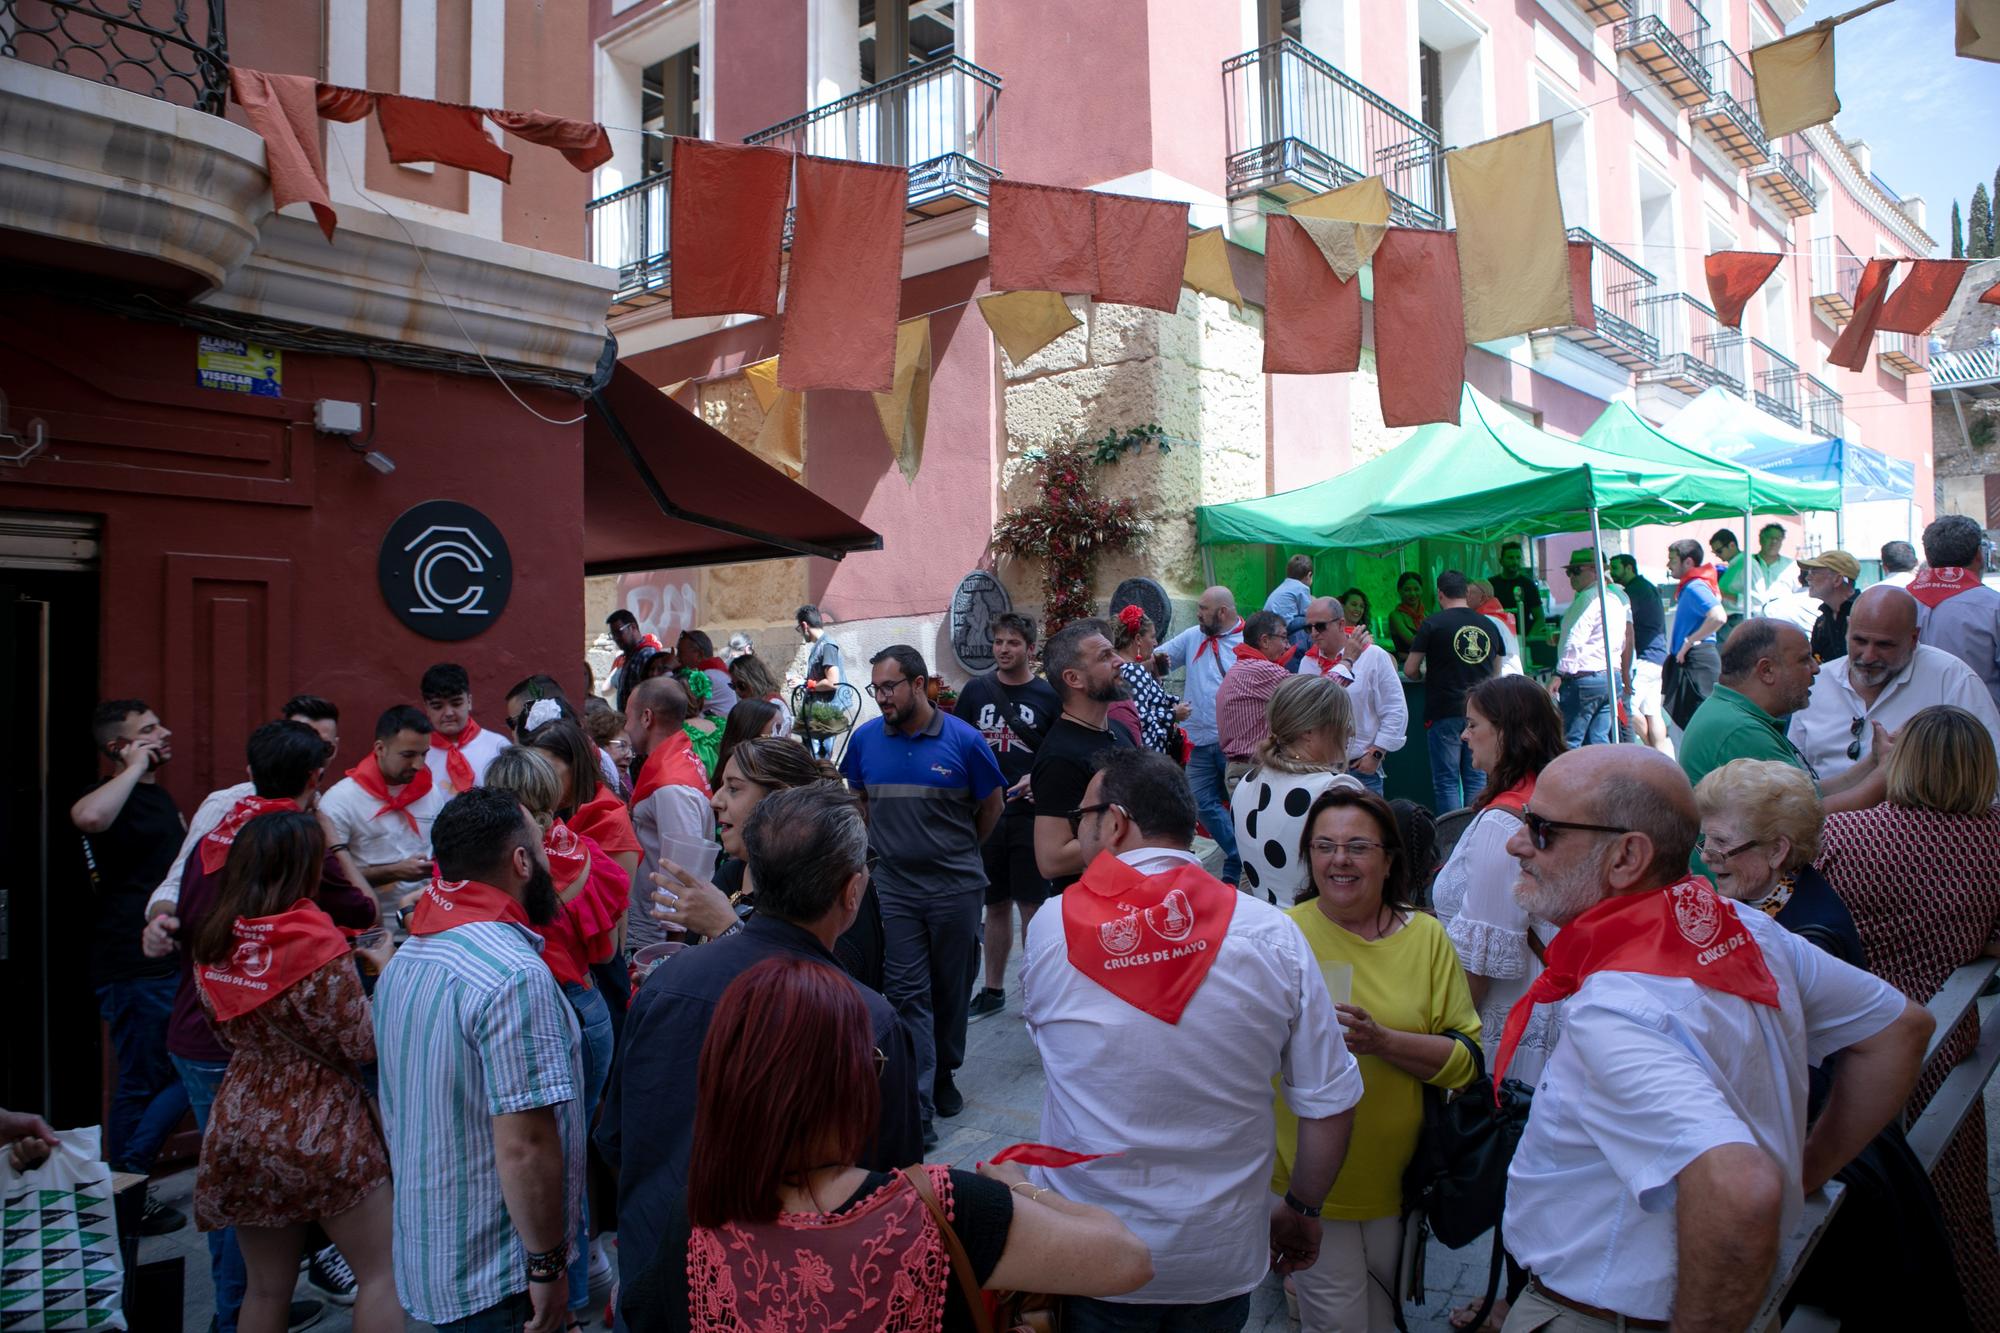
x: 1794, y: 78
x: 1733, y: 277
x: 417, y: 129
x: 1141, y: 250
x: 1923, y: 296
x: 1582, y: 305
x: 1419, y: 327
x: 1312, y: 319
x: 283, y: 110
x: 846, y: 287
x: 1042, y: 238
x: 1991, y: 296
x: 583, y: 144
x: 1208, y: 267
x: 1025, y: 322
x: 1513, y: 254
x: 728, y: 232
x: 1851, y: 348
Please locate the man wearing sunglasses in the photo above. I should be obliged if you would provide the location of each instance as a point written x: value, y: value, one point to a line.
x: 1364, y: 667
x: 1667, y: 1153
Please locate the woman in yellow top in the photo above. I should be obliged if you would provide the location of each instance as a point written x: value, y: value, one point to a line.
x: 1397, y: 985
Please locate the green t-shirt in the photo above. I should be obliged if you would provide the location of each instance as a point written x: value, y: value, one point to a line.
x: 1728, y: 726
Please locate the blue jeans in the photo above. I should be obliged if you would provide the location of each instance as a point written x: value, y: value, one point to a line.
x: 1587, y: 710
x: 1083, y: 1315
x: 1205, y: 771
x: 593, y: 1020
x: 225, y: 1261
x: 506, y: 1317
x: 1372, y: 781
x: 1454, y: 781
x: 148, y: 1101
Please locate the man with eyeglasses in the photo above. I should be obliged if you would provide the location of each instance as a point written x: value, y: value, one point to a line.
x: 1668, y: 1154
x: 1365, y: 669
x: 934, y: 793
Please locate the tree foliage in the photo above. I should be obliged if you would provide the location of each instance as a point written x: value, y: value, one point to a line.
x: 1979, y: 225
x: 1957, y: 233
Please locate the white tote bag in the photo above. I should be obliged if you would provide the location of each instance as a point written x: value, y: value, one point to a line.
x: 59, y: 1261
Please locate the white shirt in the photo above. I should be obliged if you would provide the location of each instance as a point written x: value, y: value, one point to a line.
x: 1652, y: 1072
x: 1206, y: 666
x: 1796, y: 607
x: 1474, y: 897
x: 1375, y: 689
x: 1901, y: 580
x: 206, y: 816
x: 375, y: 841
x: 1824, y: 728
x: 1510, y: 648
x: 1768, y: 583
x: 1188, y: 1105
x: 1580, y: 650
x: 673, y: 809
x: 478, y: 752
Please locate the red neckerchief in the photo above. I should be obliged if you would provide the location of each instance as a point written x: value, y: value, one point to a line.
x: 215, y: 845
x: 1244, y: 651
x: 1148, y: 939
x: 1337, y: 667
x: 1934, y: 585
x: 1706, y: 573
x: 1494, y: 611
x: 367, y: 775
x: 604, y: 819
x: 1515, y: 799
x: 715, y: 664
x: 672, y: 764
x: 272, y: 954
x: 1683, y: 930
x: 457, y: 768
x: 567, y: 855
x: 450, y: 903
x: 1213, y: 642
x: 645, y: 641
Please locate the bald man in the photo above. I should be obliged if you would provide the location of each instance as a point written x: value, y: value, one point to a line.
x: 1665, y: 1158
x: 1885, y: 679
x: 669, y: 792
x: 1207, y: 649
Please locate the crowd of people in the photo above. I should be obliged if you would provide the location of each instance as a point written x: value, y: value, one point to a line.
x: 673, y: 966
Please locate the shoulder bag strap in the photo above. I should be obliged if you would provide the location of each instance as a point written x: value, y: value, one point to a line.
x: 346, y: 1069
x: 1536, y: 947
x: 961, y: 1262
x: 1472, y: 1048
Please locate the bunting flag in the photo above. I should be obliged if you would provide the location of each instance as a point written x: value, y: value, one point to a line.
x: 1991, y: 296
x: 282, y: 109
x: 781, y: 438
x: 1513, y: 254
x: 1364, y: 201
x: 763, y: 379
x: 1141, y: 250
x: 1733, y: 277
x: 1042, y: 238
x: 846, y: 286
x: 1583, y: 305
x: 416, y: 129
x: 1794, y: 78
x: 1979, y: 29
x: 1312, y: 316
x: 1419, y: 327
x: 1923, y: 296
x: 1851, y: 348
x: 1346, y: 246
x: 1025, y: 322
x: 1208, y: 267
x: 905, y: 410
x: 729, y: 234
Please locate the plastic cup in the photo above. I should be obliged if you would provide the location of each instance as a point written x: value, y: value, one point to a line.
x: 1339, y: 981
x: 697, y: 856
x: 650, y: 957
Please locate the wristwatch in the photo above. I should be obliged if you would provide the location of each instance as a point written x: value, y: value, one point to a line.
x: 1299, y: 1206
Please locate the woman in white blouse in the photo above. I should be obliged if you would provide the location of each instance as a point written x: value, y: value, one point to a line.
x: 1304, y: 751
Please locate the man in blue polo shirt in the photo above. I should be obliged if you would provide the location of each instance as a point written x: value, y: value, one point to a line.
x: 934, y: 792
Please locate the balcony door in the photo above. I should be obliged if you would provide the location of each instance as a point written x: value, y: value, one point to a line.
x: 920, y: 119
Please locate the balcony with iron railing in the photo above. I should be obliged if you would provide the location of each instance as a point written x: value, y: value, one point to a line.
x: 176, y: 52
x: 1298, y: 127
x: 1823, y: 407
x: 1836, y: 272
x: 1665, y: 38
x: 1783, y: 177
x: 1729, y: 115
x: 1601, y: 12
x: 1774, y: 381
x: 1619, y: 289
x: 1696, y: 349
x: 1903, y: 354
x: 941, y: 120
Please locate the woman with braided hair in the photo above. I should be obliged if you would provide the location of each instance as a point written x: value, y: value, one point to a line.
x: 1135, y: 638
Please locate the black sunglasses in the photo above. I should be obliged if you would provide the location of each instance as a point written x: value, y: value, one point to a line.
x: 1319, y: 626
x: 1540, y: 829
x: 1854, y: 746
x: 1075, y: 816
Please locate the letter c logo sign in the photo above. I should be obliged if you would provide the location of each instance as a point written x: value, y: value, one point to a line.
x: 445, y: 570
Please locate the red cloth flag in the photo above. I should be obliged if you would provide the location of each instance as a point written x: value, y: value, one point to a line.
x: 272, y: 955
x: 1041, y: 238
x: 367, y: 775
x: 1419, y: 327
x: 1582, y: 304
x: 283, y: 109
x: 345, y: 104
x: 216, y: 843
x: 846, y: 289
x: 1148, y: 939
x: 1991, y: 296
x: 417, y: 129
x: 1851, y: 348
x: 1041, y: 1154
x: 1923, y: 296
x: 1312, y: 320
x: 1141, y: 251
x: 583, y: 144
x: 729, y: 227
x: 1733, y: 278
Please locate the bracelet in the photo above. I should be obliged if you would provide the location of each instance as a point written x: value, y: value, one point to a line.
x: 1036, y: 1197
x: 1299, y: 1206
x: 549, y: 1265
x: 338, y: 847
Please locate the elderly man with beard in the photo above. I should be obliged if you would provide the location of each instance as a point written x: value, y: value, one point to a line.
x: 482, y: 1078
x: 1886, y: 678
x: 1668, y: 1154
x: 1207, y: 649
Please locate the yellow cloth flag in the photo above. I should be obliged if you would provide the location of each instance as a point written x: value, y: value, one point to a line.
x: 1513, y: 255
x: 763, y: 377
x: 1795, y: 81
x: 1979, y: 29
x: 1026, y: 321
x: 781, y: 440
x: 1346, y: 245
x: 1207, y: 269
x: 1363, y: 201
x: 905, y: 410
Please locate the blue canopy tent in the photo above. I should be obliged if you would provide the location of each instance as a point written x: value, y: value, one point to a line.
x: 1863, y: 473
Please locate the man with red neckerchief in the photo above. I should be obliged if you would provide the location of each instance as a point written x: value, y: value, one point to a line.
x: 381, y: 812
x: 1365, y: 669
x: 669, y: 793
x: 460, y: 748
x: 1163, y: 1004
x: 1263, y: 661
x: 1956, y: 611
x: 1668, y: 1153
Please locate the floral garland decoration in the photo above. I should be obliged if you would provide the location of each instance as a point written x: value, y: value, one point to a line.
x: 1068, y: 530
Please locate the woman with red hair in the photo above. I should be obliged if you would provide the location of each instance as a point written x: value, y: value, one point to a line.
x: 777, y: 1221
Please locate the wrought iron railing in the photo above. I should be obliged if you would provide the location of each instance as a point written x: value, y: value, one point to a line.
x: 1823, y: 407
x: 1785, y: 176
x: 1618, y: 286
x: 1836, y: 270
x: 1667, y: 36
x: 1730, y: 114
x: 1297, y: 122
x: 175, y: 50
x: 1695, y: 346
x: 627, y: 230
x: 1905, y: 353
x: 1774, y: 380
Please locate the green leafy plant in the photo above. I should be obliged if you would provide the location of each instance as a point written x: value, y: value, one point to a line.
x: 1114, y: 445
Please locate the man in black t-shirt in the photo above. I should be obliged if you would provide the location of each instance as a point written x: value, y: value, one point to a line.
x: 131, y: 830
x: 1648, y: 723
x: 1454, y: 650
x: 1012, y: 708
x: 1515, y: 588
x: 1084, y: 669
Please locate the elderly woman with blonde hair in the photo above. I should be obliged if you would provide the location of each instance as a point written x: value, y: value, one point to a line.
x: 1760, y: 833
x: 1304, y: 751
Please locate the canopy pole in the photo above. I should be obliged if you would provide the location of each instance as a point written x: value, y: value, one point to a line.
x: 1749, y: 555
x: 1604, y: 620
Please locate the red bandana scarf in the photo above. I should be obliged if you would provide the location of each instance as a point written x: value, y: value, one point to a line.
x: 1683, y: 930
x: 1515, y: 799
x: 1934, y: 585
x: 463, y: 902
x: 1212, y: 643
x: 674, y: 763
x: 1331, y: 666
x: 215, y: 845
x: 1706, y: 573
x: 568, y: 858
x: 1494, y: 611
x: 645, y: 641
x: 1244, y: 652
x: 367, y: 775
x: 272, y: 954
x: 457, y: 768
x: 604, y: 819
x: 1148, y: 939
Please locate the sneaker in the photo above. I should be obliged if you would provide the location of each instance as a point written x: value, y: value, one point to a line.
x: 158, y: 1219
x: 930, y: 1136
x: 603, y: 1277
x: 946, y: 1097
x: 988, y: 1001
x: 304, y: 1314
x: 328, y: 1274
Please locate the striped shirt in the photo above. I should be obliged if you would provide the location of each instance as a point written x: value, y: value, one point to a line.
x: 469, y: 1024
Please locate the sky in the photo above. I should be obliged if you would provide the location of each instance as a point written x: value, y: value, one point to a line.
x: 1931, y: 117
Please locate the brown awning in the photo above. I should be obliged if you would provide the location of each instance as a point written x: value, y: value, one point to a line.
x: 663, y: 488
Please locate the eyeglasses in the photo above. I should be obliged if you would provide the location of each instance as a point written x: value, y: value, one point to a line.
x: 1075, y: 816
x: 1540, y: 829
x: 1713, y: 855
x: 1319, y: 626
x: 1854, y: 730
x: 1356, y: 848
x: 886, y: 690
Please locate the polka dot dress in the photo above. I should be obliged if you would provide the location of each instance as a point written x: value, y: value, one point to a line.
x: 1270, y: 814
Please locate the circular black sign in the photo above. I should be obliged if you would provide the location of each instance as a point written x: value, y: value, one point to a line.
x: 445, y: 570
x: 1150, y: 598
x: 978, y: 602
